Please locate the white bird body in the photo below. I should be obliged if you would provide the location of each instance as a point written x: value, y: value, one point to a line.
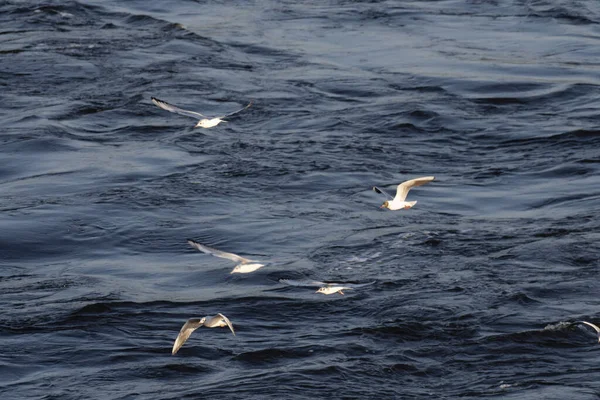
x: 332, y: 289
x: 210, y: 321
x: 244, y: 266
x: 397, y: 205
x: 204, y: 121
x: 325, y: 288
x: 209, y: 123
x: 399, y: 202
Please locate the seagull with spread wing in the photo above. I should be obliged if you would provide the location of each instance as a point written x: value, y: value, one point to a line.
x: 192, y: 324
x: 399, y: 201
x: 204, y: 121
x: 244, y: 266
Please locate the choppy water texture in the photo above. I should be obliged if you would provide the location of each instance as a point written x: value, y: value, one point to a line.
x: 475, y: 286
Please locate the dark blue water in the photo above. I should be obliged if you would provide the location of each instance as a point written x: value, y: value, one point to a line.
x: 475, y: 286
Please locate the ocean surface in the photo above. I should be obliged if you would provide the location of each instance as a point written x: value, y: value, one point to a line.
x: 475, y: 287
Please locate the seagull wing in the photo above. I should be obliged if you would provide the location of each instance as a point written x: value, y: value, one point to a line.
x: 186, y: 330
x: 589, y: 324
x: 383, y: 192
x: 404, y: 187
x: 305, y: 283
x: 228, y: 322
x: 166, y: 106
x: 218, y: 253
x: 235, y: 112
x: 356, y: 285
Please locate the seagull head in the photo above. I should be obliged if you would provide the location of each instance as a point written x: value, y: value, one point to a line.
x: 385, y: 205
x: 202, y: 320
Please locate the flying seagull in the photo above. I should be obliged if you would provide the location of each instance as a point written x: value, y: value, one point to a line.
x: 204, y: 121
x: 244, y: 265
x: 324, y: 287
x: 589, y: 324
x: 192, y: 324
x: 399, y: 202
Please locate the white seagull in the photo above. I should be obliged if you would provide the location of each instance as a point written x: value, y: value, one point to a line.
x: 324, y: 287
x: 192, y: 324
x: 589, y: 324
x: 399, y: 202
x: 204, y: 122
x: 244, y: 265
